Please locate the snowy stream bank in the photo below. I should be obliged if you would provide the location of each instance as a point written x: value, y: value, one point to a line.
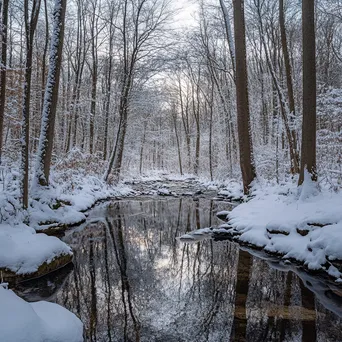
x: 300, y: 225
x: 27, y: 252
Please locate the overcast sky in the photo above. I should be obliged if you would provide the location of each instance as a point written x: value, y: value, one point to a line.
x: 187, y: 10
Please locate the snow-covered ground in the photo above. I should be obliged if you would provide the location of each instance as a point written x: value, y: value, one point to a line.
x: 302, y: 224
x: 36, y: 322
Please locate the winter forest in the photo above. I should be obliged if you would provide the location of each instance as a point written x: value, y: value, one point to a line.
x: 135, y: 135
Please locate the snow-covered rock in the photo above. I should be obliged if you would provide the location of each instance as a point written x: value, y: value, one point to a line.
x: 23, y: 251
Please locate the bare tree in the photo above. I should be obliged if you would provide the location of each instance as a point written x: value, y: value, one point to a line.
x: 142, y: 21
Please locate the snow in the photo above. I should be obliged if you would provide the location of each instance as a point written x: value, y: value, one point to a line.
x: 278, y: 216
x: 36, y: 322
x: 22, y: 250
x: 301, y: 223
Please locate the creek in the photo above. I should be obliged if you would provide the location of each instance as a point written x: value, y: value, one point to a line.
x: 133, y: 280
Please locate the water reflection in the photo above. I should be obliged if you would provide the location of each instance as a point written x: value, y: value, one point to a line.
x: 133, y: 281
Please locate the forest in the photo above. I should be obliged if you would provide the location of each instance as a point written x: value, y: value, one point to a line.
x: 109, y: 100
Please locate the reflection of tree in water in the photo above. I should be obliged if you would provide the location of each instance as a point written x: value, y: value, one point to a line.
x: 133, y: 281
x: 116, y: 233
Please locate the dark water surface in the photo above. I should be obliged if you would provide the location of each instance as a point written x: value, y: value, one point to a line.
x: 134, y: 281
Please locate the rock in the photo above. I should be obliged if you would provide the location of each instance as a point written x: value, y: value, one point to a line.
x: 56, y: 263
x: 222, y: 215
x: 276, y: 231
x: 303, y: 232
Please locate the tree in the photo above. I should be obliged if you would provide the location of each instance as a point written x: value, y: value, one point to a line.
x: 288, y: 70
x: 229, y: 34
x: 43, y: 165
x: 3, y: 66
x: 142, y: 22
x: 243, y: 118
x: 308, y: 158
x: 30, y: 28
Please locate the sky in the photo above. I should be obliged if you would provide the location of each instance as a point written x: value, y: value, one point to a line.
x: 187, y: 11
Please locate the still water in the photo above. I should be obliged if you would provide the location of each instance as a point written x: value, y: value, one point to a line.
x: 134, y: 281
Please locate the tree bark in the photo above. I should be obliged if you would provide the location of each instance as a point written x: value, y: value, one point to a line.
x: 30, y: 28
x: 288, y: 70
x: 229, y: 35
x: 308, y: 160
x: 3, y: 66
x: 43, y: 165
x: 243, y: 117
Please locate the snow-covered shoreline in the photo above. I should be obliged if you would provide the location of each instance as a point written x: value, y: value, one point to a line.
x: 303, y: 225
x: 306, y: 228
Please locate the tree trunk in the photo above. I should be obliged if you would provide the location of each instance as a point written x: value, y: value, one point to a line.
x: 108, y: 90
x: 142, y: 148
x: 229, y: 36
x: 43, y: 165
x: 30, y: 27
x: 289, y: 83
x: 174, y: 116
x: 243, y: 119
x: 3, y: 66
x: 308, y: 160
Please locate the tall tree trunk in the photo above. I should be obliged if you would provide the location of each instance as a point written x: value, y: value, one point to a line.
x: 142, y: 148
x: 43, y: 165
x: 30, y: 28
x: 196, y: 112
x: 185, y: 121
x: 289, y: 83
x: 211, y: 105
x: 229, y: 35
x: 308, y: 160
x: 243, y: 119
x: 94, y: 35
x: 108, y: 90
x: 3, y: 66
x: 174, y: 117
x: 285, y: 50
x: 46, y: 46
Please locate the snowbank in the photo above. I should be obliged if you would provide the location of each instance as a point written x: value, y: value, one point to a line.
x: 36, y: 322
x: 23, y: 251
x: 299, y: 224
x: 65, y: 203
